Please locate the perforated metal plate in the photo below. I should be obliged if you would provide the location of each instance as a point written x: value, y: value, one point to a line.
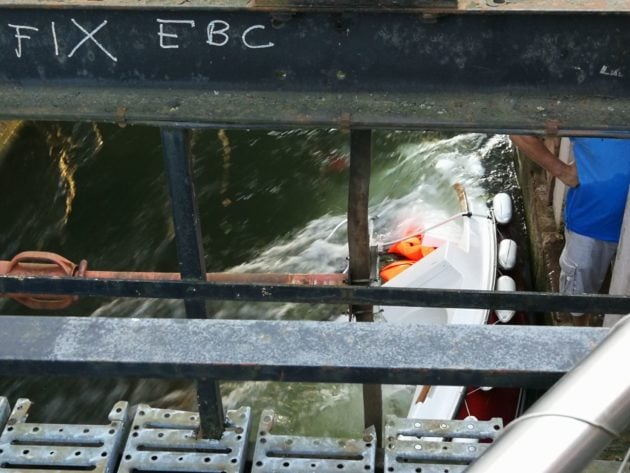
x: 413, y: 445
x: 290, y: 453
x: 27, y: 447
x: 163, y: 440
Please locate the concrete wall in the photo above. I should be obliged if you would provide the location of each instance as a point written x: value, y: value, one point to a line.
x: 546, y: 240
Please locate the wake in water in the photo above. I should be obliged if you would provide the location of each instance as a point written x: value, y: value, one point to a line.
x: 411, y: 189
x: 269, y: 205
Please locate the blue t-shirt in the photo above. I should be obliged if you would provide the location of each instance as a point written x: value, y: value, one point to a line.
x: 595, y: 208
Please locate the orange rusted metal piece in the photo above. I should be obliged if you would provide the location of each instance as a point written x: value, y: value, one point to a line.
x: 41, y: 263
x: 326, y: 279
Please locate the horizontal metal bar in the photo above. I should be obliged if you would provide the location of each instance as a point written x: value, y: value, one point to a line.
x: 293, y: 351
x: 492, y: 112
x: 356, y: 5
x: 463, y: 6
x: 128, y: 5
x: 548, y: 6
x: 248, y: 68
x: 527, y: 301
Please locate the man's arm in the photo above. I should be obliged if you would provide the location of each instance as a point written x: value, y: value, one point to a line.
x: 534, y: 149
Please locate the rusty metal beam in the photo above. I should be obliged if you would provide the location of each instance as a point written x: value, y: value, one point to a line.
x: 47, y: 264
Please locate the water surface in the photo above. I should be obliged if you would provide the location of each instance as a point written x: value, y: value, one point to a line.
x: 268, y: 201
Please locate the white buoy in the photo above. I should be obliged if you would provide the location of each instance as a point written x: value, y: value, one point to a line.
x: 502, y: 207
x: 505, y: 283
x: 507, y: 254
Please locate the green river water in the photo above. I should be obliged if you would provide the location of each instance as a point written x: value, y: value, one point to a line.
x: 268, y: 202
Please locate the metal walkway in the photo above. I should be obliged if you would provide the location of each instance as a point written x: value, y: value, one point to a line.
x: 164, y: 440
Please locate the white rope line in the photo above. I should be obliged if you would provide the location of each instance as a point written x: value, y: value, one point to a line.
x: 624, y: 462
x: 337, y: 227
x: 432, y: 227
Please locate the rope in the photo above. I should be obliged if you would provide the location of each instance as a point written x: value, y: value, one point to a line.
x: 432, y: 227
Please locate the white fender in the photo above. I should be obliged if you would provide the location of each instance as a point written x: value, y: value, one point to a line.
x: 507, y: 254
x: 505, y: 283
x: 502, y: 206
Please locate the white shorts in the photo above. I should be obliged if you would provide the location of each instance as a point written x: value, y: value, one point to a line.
x: 584, y: 263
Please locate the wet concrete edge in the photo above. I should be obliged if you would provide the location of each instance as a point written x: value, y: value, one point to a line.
x: 546, y: 239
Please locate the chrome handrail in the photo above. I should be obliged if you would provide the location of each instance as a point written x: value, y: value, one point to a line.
x: 566, y: 428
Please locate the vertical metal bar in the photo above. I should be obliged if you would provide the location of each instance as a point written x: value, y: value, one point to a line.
x: 359, y: 252
x: 178, y: 159
x: 210, y: 404
x: 358, y: 231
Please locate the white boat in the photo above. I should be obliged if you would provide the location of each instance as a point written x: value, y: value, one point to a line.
x: 466, y: 260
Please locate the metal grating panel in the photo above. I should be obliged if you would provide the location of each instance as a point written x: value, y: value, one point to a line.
x: 289, y: 453
x: 29, y: 447
x: 166, y: 440
x: 414, y: 445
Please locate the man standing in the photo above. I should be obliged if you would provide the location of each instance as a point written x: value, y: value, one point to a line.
x: 598, y: 182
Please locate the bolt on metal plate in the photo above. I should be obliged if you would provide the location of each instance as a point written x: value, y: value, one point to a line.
x: 167, y: 440
x: 290, y: 453
x: 62, y: 447
x: 434, y: 446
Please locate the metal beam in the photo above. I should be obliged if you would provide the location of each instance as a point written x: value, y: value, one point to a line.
x: 527, y: 301
x: 417, y: 6
x: 564, y: 73
x: 178, y: 160
x: 358, y: 219
x: 359, y: 254
x: 544, y: 6
x: 292, y: 351
x: 185, y: 211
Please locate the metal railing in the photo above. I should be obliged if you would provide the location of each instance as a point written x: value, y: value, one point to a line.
x: 484, y: 72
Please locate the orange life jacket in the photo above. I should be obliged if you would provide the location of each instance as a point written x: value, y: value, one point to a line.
x: 395, y: 268
x: 411, y: 248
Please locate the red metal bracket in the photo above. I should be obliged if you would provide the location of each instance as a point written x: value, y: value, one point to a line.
x: 41, y: 263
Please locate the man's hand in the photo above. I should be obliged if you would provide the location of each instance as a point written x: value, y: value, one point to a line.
x: 569, y: 175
